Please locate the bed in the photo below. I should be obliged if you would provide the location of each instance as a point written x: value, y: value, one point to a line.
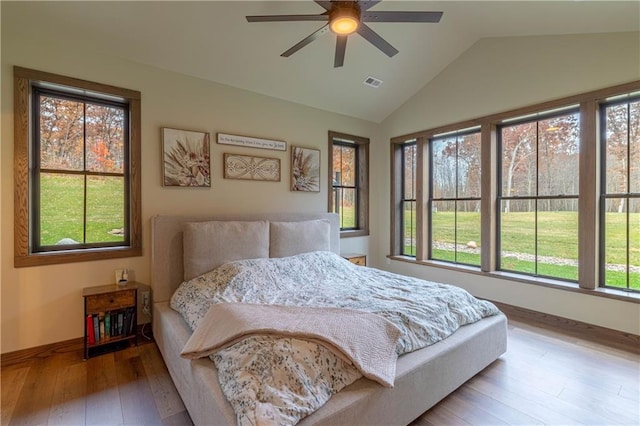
x: 432, y: 372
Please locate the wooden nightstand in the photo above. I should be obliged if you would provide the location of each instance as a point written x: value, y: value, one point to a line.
x: 358, y: 259
x: 110, y: 318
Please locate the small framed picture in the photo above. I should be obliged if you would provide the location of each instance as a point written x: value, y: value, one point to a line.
x: 186, y: 158
x: 247, y: 167
x: 305, y: 169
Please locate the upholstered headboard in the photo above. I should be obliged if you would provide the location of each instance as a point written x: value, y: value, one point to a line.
x: 167, y: 264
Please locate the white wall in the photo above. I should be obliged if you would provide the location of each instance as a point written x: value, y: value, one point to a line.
x: 42, y: 305
x: 497, y: 75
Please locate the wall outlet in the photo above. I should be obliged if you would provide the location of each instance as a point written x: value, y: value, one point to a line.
x: 145, y: 300
x: 146, y: 303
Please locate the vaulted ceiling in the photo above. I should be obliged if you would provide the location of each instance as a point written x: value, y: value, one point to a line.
x: 212, y: 40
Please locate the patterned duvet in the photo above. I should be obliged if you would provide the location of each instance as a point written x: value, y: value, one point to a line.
x: 271, y: 380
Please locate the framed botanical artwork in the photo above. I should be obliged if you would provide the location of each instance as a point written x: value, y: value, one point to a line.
x: 305, y: 169
x: 247, y: 167
x: 186, y: 158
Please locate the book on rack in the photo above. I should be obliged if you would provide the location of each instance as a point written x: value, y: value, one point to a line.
x: 96, y: 328
x: 120, y: 322
x: 107, y: 325
x: 132, y: 325
x: 101, y: 320
x: 126, y: 321
x: 91, y: 339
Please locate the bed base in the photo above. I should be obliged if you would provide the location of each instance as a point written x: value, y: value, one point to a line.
x: 423, y: 377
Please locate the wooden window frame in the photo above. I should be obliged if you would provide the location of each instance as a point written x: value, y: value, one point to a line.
x: 362, y: 184
x: 24, y: 80
x: 588, y: 200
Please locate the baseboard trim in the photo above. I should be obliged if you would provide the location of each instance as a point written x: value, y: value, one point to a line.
x: 71, y: 345
x: 23, y: 355
x: 613, y: 338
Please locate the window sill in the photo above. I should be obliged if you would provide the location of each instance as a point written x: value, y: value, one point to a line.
x: 71, y: 256
x: 354, y: 233
x: 610, y: 293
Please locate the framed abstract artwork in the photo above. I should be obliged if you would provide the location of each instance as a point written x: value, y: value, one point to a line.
x: 186, y: 159
x: 247, y: 167
x: 305, y: 169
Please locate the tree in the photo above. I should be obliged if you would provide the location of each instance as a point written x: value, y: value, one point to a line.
x: 105, y: 140
x: 456, y: 163
x: 61, y: 132
x: 540, y: 158
x: 518, y: 149
x: 622, y: 140
x: 75, y: 136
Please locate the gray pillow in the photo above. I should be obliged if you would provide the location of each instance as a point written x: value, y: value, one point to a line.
x: 208, y: 245
x: 291, y: 238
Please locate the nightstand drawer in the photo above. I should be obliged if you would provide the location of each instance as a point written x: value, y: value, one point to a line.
x: 111, y: 301
x: 360, y: 260
x: 357, y: 259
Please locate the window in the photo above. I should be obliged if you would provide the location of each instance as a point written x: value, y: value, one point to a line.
x: 454, y: 197
x: 620, y: 193
x: 77, y: 170
x: 349, y: 182
x: 409, y: 214
x: 550, y: 191
x: 538, y: 195
x: 345, y: 186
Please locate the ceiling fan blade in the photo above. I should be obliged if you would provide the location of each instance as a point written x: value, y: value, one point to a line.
x: 383, y: 16
x: 324, y: 4
x: 374, y: 38
x: 306, y: 41
x: 341, y: 47
x: 367, y: 4
x: 280, y: 18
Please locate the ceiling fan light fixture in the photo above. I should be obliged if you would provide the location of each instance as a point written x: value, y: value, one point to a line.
x: 345, y: 21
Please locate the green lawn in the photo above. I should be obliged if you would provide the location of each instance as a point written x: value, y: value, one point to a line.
x: 557, y: 238
x: 348, y: 217
x: 62, y: 212
x: 62, y: 208
x: 450, y: 256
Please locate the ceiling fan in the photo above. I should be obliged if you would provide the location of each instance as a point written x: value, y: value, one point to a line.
x: 347, y: 17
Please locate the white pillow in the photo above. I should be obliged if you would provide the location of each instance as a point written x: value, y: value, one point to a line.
x: 291, y: 238
x: 208, y: 245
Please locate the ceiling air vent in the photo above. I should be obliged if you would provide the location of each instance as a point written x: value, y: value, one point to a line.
x: 372, y: 82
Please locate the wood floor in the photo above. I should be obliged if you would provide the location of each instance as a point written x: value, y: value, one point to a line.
x: 545, y: 378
